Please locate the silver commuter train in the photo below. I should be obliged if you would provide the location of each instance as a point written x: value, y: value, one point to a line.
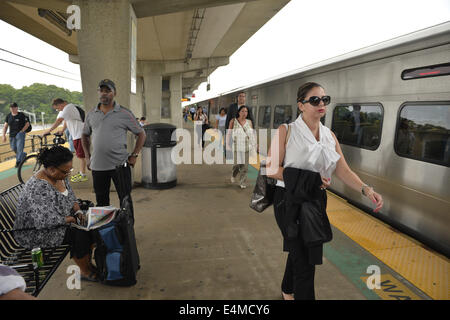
x: 398, y: 94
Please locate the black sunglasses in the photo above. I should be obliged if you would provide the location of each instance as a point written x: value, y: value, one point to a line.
x: 315, y: 101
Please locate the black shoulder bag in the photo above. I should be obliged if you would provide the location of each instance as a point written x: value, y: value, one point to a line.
x: 264, y: 191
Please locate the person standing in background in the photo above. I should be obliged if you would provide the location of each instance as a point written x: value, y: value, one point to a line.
x: 142, y: 121
x: 232, y: 112
x: 69, y: 113
x: 200, y: 119
x: 241, y: 131
x: 18, y: 124
x: 220, y: 123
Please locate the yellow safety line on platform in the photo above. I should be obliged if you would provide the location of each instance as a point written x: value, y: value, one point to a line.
x: 425, y: 269
x: 392, y: 289
x: 6, y: 165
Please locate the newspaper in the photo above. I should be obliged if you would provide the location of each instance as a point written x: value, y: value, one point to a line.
x: 96, y: 217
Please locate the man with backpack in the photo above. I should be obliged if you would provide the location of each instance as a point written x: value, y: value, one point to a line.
x: 73, y: 117
x: 18, y: 124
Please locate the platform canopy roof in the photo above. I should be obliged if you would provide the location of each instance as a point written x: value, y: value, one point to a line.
x: 204, y: 33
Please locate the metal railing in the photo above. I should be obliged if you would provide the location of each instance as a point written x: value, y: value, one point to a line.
x: 29, y: 147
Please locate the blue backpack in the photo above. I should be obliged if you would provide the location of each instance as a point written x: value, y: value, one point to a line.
x: 116, y: 254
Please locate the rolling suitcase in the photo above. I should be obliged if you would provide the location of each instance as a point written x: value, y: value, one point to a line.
x: 116, y: 255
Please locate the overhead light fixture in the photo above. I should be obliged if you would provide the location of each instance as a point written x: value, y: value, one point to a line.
x: 197, y: 19
x: 56, y: 18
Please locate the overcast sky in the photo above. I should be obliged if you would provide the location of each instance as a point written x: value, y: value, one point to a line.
x: 302, y: 33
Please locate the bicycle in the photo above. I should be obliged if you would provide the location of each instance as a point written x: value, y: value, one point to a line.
x: 30, y: 162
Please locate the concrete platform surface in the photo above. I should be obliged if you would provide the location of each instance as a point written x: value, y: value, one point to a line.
x: 200, y: 240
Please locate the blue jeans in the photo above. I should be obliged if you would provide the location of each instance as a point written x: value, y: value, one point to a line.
x: 69, y: 137
x: 17, y: 143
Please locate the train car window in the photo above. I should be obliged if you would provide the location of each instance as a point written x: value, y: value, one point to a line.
x: 358, y: 125
x: 251, y: 110
x: 436, y: 70
x: 282, y: 114
x: 423, y: 132
x: 264, y: 116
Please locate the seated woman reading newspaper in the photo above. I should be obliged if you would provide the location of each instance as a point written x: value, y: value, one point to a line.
x: 47, y: 207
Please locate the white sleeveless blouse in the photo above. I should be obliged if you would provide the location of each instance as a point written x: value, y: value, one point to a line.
x: 303, y: 151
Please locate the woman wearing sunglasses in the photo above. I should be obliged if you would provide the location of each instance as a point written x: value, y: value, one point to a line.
x: 309, y: 149
x: 47, y: 206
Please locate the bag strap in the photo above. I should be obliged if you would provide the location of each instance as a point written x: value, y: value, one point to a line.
x: 288, y: 134
x: 245, y: 131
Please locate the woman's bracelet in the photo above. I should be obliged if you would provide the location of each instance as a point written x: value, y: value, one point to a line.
x: 362, y: 189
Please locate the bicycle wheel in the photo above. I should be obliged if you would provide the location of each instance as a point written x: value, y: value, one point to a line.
x: 27, y: 168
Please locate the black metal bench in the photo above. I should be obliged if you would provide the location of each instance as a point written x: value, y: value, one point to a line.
x: 18, y: 258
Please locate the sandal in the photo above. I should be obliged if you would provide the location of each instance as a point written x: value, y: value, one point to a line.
x: 92, y: 277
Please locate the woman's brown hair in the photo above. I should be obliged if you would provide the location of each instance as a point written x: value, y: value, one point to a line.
x: 304, y: 89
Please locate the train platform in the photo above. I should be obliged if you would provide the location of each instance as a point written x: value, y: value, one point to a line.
x: 201, y: 241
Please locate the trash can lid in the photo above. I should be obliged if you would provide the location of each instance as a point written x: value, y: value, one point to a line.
x: 158, y: 133
x: 158, y: 126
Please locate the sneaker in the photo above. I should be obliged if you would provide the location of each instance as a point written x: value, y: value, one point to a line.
x: 233, y: 180
x: 75, y: 177
x: 78, y: 178
x: 243, y: 186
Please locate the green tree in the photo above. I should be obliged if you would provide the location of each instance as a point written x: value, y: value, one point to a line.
x: 6, y: 97
x: 36, y: 98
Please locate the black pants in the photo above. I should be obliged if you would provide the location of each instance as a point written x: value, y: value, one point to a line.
x: 102, y: 184
x: 80, y: 242
x: 299, y: 274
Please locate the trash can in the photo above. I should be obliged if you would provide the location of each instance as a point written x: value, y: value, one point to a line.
x: 158, y: 170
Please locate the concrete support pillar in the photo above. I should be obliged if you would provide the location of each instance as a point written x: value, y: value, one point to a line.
x: 153, y: 94
x: 104, y: 47
x: 137, y: 100
x: 105, y: 51
x: 175, y: 100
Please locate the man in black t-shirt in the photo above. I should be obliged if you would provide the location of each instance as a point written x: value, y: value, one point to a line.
x: 18, y: 123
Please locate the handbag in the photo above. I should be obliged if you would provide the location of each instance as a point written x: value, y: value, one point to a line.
x: 264, y: 191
